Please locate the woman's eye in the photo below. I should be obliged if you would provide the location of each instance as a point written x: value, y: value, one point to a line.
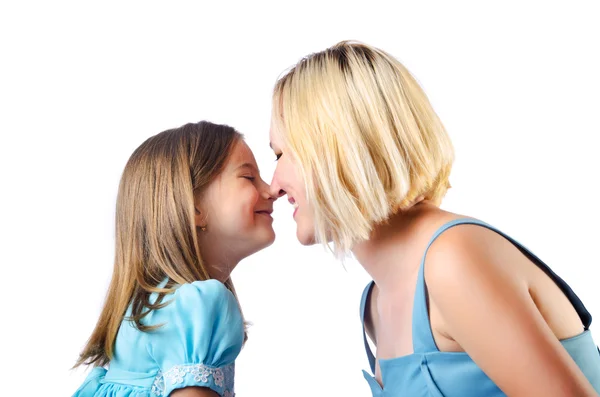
x: 278, y: 156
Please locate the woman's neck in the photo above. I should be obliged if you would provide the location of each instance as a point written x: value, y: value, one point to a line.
x: 390, y: 242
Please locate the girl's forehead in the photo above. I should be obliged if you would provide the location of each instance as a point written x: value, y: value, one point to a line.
x: 241, y: 155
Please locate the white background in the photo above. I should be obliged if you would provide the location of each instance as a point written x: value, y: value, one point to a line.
x: 82, y: 84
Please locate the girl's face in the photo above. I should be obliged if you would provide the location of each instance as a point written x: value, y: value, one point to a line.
x: 287, y: 179
x: 235, y: 210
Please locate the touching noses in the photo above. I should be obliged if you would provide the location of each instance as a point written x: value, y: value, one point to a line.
x: 267, y: 192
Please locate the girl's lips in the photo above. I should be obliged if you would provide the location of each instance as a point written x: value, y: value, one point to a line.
x: 266, y: 214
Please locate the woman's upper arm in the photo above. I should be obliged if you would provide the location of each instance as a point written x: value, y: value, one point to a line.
x: 487, y: 309
x: 194, y: 392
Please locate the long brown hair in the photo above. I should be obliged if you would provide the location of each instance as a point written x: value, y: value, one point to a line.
x: 156, y: 235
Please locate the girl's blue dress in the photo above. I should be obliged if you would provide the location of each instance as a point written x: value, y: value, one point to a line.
x: 201, y: 336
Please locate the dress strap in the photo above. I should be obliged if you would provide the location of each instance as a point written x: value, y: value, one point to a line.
x: 363, y: 305
x: 423, y: 340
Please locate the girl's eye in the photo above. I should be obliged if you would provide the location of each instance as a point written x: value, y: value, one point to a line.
x: 278, y: 156
x: 250, y: 178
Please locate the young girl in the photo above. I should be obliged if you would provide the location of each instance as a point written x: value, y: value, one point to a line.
x: 456, y: 308
x: 191, y: 205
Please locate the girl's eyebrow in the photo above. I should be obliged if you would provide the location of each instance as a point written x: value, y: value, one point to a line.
x: 249, y: 166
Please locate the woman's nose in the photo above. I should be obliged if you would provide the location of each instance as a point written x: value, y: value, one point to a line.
x: 267, y: 192
x: 275, y: 189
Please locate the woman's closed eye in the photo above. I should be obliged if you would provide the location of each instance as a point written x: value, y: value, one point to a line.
x: 278, y: 156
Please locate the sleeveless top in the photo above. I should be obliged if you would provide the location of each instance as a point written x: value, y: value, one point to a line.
x: 201, y: 335
x: 429, y: 372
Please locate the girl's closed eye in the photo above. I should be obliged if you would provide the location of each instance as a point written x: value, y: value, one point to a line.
x: 249, y: 177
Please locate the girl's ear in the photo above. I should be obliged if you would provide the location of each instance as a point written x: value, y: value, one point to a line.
x: 199, y: 219
x: 199, y: 213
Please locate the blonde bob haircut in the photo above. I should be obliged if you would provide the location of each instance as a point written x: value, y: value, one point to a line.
x: 364, y: 136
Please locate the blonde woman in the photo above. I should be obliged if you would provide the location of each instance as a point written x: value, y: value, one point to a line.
x: 456, y: 307
x: 191, y: 205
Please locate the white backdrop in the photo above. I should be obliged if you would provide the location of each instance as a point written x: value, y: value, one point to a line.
x: 83, y: 84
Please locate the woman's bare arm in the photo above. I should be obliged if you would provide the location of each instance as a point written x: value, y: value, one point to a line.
x: 487, y: 309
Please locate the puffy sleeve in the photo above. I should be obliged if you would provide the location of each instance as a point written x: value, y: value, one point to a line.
x: 201, y: 336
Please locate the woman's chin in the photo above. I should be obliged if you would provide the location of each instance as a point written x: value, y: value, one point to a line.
x: 305, y: 238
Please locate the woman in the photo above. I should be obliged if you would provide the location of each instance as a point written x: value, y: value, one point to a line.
x: 191, y: 205
x: 456, y: 307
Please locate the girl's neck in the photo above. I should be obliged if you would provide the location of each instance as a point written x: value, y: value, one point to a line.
x: 218, y: 262
x: 219, y: 266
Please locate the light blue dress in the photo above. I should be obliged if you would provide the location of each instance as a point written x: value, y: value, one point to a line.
x: 202, y: 335
x: 429, y: 372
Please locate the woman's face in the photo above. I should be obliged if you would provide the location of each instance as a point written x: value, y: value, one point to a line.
x: 287, y: 180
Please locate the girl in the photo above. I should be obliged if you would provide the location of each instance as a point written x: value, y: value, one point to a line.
x: 191, y: 205
x: 456, y: 307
